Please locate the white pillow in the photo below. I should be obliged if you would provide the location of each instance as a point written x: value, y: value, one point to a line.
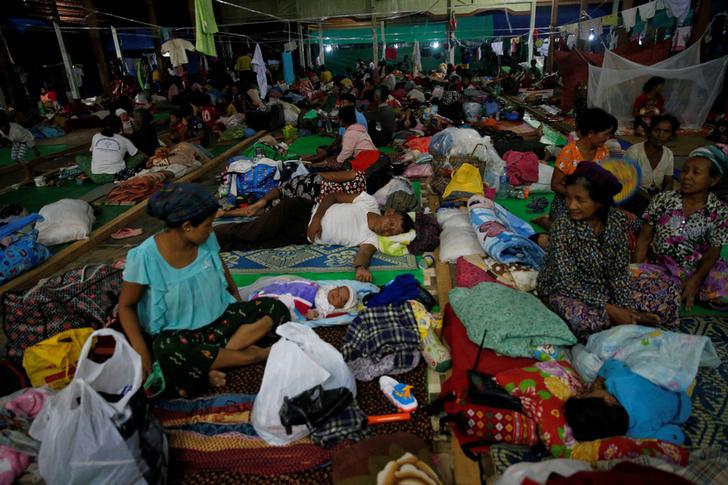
x: 64, y: 221
x: 459, y: 241
x: 451, y: 218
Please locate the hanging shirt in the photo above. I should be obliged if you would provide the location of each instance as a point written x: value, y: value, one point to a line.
x: 186, y: 298
x: 177, y: 50
x: 348, y: 224
x: 107, y: 153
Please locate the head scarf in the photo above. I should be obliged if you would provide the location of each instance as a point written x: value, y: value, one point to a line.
x: 599, y: 176
x: 717, y: 154
x: 324, y: 308
x: 119, y: 112
x: 177, y: 203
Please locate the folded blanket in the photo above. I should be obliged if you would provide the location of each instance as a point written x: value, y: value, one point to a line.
x: 667, y: 359
x: 516, y: 322
x: 138, y: 188
x: 504, y: 236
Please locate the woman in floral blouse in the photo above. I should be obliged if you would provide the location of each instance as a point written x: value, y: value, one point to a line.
x: 586, y: 277
x: 685, y: 230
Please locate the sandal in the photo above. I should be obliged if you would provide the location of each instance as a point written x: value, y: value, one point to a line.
x: 127, y: 232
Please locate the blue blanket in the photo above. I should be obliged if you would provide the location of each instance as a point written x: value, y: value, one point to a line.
x: 504, y: 237
x: 667, y: 359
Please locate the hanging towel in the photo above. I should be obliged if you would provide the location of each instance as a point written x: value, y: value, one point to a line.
x: 659, y: 5
x: 288, y: 74
x: 629, y: 18
x: 647, y: 11
x: 497, y: 48
x: 259, y: 68
x: 680, y: 39
x: 678, y: 9
x: 416, y: 58
x: 571, y: 41
x: 609, y: 20
x: 205, y: 28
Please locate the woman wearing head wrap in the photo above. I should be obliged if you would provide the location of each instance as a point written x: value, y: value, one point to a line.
x: 685, y: 230
x: 179, y: 300
x: 586, y: 276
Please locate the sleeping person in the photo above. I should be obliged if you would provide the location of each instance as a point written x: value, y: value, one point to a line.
x: 621, y: 402
x: 311, y: 300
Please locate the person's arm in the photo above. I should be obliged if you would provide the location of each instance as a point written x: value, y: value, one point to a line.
x: 314, y: 228
x: 232, y: 287
x: 667, y: 182
x: 347, y: 148
x: 690, y: 286
x: 131, y: 294
x: 643, y: 243
x: 637, y: 107
x: 361, y: 262
x: 557, y: 181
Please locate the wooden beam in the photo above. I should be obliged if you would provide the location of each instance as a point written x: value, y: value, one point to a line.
x: 157, y: 39
x: 68, y: 254
x: 701, y: 20
x: 101, y: 65
x: 552, y: 37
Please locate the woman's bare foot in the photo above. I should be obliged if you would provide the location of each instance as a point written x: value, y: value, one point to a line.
x: 647, y: 319
x: 216, y: 378
x: 543, y: 241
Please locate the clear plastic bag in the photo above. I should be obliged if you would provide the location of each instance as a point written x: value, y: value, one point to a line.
x: 298, y: 362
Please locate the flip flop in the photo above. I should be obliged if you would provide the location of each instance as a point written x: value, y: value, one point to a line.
x: 127, y: 232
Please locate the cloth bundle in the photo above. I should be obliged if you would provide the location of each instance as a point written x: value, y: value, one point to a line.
x: 504, y: 236
x: 516, y: 322
x: 521, y: 167
x: 382, y: 340
x: 138, y: 188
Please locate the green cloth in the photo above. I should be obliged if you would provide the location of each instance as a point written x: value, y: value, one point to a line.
x: 517, y: 322
x: 84, y: 163
x: 307, y: 145
x: 205, y: 27
x: 519, y: 207
x: 380, y: 277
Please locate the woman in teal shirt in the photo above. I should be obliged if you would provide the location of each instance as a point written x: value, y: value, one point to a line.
x: 179, y: 295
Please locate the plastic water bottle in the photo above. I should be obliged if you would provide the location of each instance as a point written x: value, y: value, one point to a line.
x: 503, y: 187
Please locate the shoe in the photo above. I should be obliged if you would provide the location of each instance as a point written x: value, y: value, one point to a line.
x: 313, y: 407
x: 399, y: 394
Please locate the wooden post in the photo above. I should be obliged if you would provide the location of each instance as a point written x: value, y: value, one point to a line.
x: 583, y: 6
x: 309, y: 60
x: 66, y: 62
x: 98, y: 48
x: 701, y: 21
x: 531, y: 28
x: 552, y: 37
x: 157, y: 39
x: 6, y: 80
x: 384, y: 40
x: 375, y: 45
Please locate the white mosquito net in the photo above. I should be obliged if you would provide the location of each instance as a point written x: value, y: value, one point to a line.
x: 689, y: 92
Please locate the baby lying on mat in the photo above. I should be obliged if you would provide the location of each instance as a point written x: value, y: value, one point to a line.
x: 310, y: 299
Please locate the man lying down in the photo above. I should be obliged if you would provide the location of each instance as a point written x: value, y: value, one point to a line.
x: 343, y: 219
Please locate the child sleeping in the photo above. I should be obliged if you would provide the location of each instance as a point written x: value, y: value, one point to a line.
x: 621, y: 402
x: 311, y: 300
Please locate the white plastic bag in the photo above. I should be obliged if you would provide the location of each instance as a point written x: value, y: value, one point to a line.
x: 77, y: 428
x: 297, y: 362
x: 65, y: 221
x: 79, y: 441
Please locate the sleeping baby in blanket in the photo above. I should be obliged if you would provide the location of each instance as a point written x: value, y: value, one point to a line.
x: 311, y: 300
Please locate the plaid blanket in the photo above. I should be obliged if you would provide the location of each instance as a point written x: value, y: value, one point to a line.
x: 382, y: 340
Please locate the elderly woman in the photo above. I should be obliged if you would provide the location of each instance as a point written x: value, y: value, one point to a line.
x: 586, y: 275
x: 685, y: 230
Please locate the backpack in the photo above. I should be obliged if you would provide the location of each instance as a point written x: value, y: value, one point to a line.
x: 82, y: 297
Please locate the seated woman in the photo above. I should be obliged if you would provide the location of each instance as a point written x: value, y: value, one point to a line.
x: 145, y: 133
x: 356, y: 139
x: 108, y: 150
x: 621, y: 403
x: 594, y: 126
x: 179, y: 300
x: 685, y: 231
x: 656, y: 161
x: 586, y: 276
x: 648, y: 104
